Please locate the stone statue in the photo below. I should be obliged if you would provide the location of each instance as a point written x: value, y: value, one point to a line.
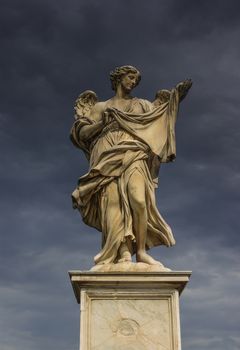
x: 125, y: 139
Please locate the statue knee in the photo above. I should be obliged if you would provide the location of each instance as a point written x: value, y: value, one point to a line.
x: 138, y: 204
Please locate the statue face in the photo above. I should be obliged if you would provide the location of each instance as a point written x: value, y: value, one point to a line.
x: 129, y: 81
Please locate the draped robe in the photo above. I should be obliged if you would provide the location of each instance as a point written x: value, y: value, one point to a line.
x: 137, y: 139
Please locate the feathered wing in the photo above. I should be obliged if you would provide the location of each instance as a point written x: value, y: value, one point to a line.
x: 84, y: 104
x: 162, y: 96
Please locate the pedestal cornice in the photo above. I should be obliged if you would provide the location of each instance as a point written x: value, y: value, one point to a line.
x: 131, y: 280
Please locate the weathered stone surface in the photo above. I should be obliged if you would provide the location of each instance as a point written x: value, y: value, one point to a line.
x: 130, y: 267
x: 130, y: 311
x: 139, y: 324
x: 125, y: 139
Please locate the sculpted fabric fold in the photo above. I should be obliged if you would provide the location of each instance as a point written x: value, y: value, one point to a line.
x: 136, y: 140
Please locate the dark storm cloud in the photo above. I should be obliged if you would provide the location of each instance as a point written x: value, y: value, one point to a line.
x: 50, y: 52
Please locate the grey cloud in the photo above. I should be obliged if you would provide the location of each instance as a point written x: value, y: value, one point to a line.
x: 50, y: 52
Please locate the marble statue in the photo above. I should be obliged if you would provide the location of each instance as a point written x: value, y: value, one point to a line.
x: 125, y: 140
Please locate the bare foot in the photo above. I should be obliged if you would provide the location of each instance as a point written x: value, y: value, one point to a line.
x: 125, y: 257
x: 147, y: 259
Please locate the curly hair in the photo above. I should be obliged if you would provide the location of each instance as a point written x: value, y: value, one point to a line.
x: 119, y: 72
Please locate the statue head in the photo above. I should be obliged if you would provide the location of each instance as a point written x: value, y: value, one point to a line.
x: 119, y: 72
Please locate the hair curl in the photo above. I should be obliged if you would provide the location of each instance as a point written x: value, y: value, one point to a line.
x: 119, y: 72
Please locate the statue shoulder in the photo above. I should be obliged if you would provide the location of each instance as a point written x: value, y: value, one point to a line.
x: 98, y: 107
x: 145, y: 104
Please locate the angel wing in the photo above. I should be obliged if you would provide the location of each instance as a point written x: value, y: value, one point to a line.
x: 161, y: 96
x: 84, y: 103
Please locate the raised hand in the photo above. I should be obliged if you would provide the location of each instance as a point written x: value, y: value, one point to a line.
x: 183, y: 88
x: 107, y: 117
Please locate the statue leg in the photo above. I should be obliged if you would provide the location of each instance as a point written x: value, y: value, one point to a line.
x: 114, y: 247
x: 137, y: 198
x: 114, y: 220
x: 124, y: 253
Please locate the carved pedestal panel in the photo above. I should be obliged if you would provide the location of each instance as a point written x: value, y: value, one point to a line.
x: 129, y: 311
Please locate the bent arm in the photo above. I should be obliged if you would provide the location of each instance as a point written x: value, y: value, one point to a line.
x: 89, y: 131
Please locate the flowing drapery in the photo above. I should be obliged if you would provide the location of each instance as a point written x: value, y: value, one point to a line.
x: 144, y: 138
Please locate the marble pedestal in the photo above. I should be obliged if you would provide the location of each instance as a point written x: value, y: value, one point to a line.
x: 129, y: 310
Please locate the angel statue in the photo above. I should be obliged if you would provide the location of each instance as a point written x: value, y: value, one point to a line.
x: 125, y: 139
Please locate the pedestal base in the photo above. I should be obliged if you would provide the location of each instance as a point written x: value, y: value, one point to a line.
x: 130, y: 310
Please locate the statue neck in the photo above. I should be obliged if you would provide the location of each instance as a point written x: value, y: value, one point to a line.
x: 122, y: 94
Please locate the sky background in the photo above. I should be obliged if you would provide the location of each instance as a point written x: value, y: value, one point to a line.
x: 51, y: 50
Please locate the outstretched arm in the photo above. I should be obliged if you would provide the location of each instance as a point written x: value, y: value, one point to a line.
x: 183, y: 88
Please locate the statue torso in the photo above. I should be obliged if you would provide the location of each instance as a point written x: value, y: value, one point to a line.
x: 131, y: 105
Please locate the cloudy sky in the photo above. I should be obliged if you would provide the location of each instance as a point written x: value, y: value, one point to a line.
x: 51, y: 50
